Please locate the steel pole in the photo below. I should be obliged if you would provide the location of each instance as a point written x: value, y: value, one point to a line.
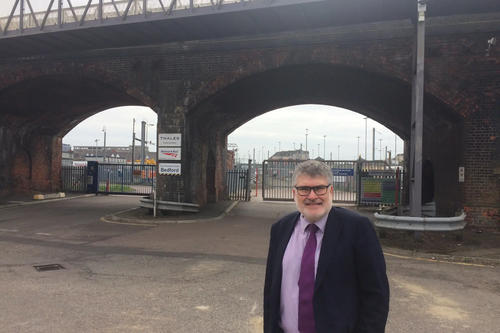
x: 306, y: 139
x: 324, y: 147
x: 366, y: 138
x: 357, y: 157
x: 373, y: 145
x: 133, y: 144
x: 417, y: 109
x: 143, y: 142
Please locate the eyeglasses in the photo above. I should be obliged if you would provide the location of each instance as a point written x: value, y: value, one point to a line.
x: 305, y: 190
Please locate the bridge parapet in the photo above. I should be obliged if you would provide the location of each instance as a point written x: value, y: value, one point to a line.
x: 93, y: 14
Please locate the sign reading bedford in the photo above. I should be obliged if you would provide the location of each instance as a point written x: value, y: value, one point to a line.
x: 169, y: 168
x: 169, y: 139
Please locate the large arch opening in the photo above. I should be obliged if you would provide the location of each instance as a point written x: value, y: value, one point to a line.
x: 384, y: 99
x: 36, y: 113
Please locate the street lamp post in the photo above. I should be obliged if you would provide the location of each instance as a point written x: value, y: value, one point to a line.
x: 366, y: 137
x: 373, y: 151
x: 338, y: 152
x: 133, y: 143
x: 306, y: 139
x: 358, y: 148
x: 324, y: 147
x: 104, y: 154
x: 380, y: 148
x: 96, y: 141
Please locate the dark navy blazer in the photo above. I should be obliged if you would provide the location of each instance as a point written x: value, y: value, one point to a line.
x: 351, y: 291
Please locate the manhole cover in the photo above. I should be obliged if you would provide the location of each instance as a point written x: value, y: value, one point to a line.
x: 52, y: 267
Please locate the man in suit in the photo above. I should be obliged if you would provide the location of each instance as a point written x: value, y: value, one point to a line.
x: 325, y: 268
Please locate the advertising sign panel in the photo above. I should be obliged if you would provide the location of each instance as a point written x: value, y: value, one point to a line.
x: 169, y: 139
x: 169, y: 168
x: 172, y: 154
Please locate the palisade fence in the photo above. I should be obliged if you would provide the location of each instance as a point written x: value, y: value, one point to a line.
x: 237, y: 184
x: 277, y: 179
x: 126, y: 179
x: 111, y: 179
x: 74, y: 178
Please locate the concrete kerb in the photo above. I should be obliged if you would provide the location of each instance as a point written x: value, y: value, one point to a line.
x: 446, y: 258
x: 40, y: 200
x: 113, y: 218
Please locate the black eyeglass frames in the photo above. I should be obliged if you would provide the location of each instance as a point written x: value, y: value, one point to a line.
x: 305, y: 190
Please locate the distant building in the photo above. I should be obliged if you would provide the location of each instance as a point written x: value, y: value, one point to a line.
x: 112, y: 154
x: 230, y: 163
x: 67, y: 155
x: 287, y: 155
x: 66, y: 147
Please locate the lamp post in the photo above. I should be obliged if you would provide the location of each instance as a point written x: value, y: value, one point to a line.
x: 373, y: 143
x: 306, y: 139
x: 324, y: 147
x: 104, y: 154
x: 366, y: 137
x: 133, y: 144
x: 279, y: 146
x: 358, y: 148
x: 338, y: 152
x: 318, y: 149
x: 380, y: 148
x: 96, y: 141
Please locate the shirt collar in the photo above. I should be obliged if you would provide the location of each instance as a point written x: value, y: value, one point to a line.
x: 320, y: 223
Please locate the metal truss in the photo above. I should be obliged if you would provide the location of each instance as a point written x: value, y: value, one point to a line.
x: 24, y: 19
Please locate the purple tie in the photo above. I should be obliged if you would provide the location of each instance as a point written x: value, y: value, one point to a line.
x: 306, y: 284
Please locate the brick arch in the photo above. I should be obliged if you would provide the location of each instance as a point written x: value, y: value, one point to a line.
x: 358, y: 60
x: 98, y: 73
x: 63, y: 95
x: 380, y: 97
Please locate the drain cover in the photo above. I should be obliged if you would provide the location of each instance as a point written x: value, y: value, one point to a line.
x: 51, y: 267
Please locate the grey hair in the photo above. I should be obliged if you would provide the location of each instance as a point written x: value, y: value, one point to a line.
x: 313, y: 168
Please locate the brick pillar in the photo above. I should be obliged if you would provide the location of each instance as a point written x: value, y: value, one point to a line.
x: 29, y: 162
x: 171, y: 119
x: 482, y: 167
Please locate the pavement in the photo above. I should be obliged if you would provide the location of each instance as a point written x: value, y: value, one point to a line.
x: 218, y: 211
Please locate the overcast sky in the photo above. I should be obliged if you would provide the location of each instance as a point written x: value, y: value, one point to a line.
x: 285, y: 128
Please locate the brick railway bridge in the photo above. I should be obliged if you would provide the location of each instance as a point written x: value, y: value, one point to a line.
x: 206, y: 71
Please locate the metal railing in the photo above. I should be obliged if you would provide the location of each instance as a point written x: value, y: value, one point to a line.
x: 277, y: 178
x: 126, y: 179
x: 74, y: 178
x: 237, y: 184
x: 44, y: 16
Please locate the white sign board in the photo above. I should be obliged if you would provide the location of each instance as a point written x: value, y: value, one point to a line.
x: 169, y: 168
x: 461, y: 174
x: 171, y: 154
x: 169, y: 139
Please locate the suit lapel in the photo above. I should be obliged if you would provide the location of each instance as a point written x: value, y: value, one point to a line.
x: 285, y: 238
x: 330, y: 239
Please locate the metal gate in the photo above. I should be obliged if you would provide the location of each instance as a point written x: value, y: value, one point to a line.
x: 277, y: 178
x: 74, y: 178
x: 237, y: 187
x: 111, y: 179
x: 126, y: 179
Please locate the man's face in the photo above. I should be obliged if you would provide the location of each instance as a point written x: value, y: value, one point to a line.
x: 313, y: 206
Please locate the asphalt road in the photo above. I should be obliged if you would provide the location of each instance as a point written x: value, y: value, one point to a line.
x: 202, y: 277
